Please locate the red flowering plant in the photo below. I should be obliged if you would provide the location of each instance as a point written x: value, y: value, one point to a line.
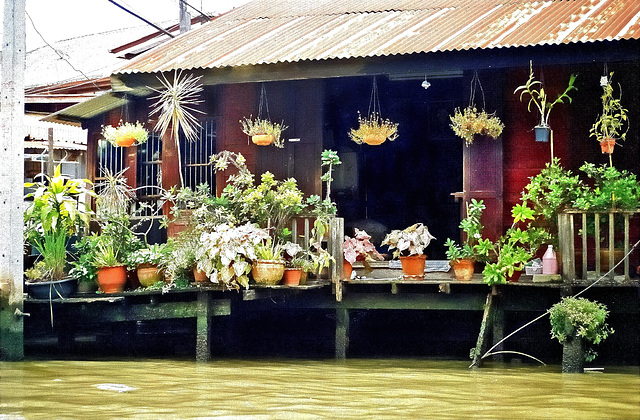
x: 360, y: 248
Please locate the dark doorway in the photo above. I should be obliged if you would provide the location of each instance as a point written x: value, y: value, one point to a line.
x: 410, y: 180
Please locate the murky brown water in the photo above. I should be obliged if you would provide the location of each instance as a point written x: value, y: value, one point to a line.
x: 355, y: 389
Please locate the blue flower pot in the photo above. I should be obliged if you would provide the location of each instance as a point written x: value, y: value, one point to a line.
x: 542, y: 133
x: 55, y: 289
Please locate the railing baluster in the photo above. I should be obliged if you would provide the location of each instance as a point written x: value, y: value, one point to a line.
x: 611, y: 245
x: 584, y: 246
x: 626, y: 246
x: 597, y: 240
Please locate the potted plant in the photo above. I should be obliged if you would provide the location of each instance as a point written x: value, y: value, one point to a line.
x: 612, y: 124
x: 471, y: 122
x: 358, y: 248
x: 268, y: 266
x: 409, y: 245
x: 462, y: 257
x: 48, y: 277
x: 125, y: 134
x: 612, y: 189
x: 111, y: 266
x: 147, y: 262
x: 575, y: 321
x: 225, y: 253
x: 510, y: 253
x: 373, y: 130
x: 538, y: 98
x: 263, y: 132
x: 56, y: 213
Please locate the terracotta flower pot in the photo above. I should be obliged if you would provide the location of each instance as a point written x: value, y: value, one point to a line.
x: 125, y: 141
x: 148, y: 274
x: 515, y: 277
x: 112, y: 279
x: 413, y: 265
x: 200, y: 276
x: 347, y: 269
x: 291, y: 276
x: 263, y: 139
x: 607, y: 145
x: 267, y: 271
x: 463, y: 269
x: 374, y: 139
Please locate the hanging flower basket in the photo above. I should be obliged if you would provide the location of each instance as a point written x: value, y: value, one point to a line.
x: 125, y: 134
x: 470, y: 122
x: 542, y: 133
x: 373, y: 130
x: 263, y: 132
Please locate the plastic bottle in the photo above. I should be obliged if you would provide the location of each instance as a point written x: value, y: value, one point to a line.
x: 549, y: 262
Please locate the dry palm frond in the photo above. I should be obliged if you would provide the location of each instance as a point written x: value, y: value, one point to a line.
x: 175, y: 105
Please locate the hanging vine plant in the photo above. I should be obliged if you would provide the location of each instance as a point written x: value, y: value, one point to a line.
x: 373, y: 129
x: 263, y: 131
x: 470, y: 122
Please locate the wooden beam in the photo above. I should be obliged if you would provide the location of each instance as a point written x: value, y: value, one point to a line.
x: 12, y: 181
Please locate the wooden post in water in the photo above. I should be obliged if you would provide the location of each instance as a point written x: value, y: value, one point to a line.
x: 203, y: 327
x: 485, y: 327
x: 12, y: 181
x: 342, y: 333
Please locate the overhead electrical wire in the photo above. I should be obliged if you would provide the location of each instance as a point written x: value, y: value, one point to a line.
x: 58, y: 52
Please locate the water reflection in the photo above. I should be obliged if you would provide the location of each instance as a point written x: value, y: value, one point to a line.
x: 354, y: 389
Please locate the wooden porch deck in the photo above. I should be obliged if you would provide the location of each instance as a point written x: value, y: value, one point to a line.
x: 385, y: 289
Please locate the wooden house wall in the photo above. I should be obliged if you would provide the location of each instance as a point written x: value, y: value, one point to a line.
x: 495, y: 171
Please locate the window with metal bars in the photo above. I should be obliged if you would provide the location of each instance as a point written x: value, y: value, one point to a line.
x: 195, y: 157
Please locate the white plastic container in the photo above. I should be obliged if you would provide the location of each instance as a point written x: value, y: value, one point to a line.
x: 549, y: 261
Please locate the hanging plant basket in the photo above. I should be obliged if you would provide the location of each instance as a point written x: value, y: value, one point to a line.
x: 263, y: 131
x: 125, y: 134
x: 470, y: 122
x: 373, y: 129
x: 607, y: 146
x: 263, y: 139
x: 542, y: 133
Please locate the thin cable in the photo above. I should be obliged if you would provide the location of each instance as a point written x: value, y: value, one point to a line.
x: 488, y: 352
x: 58, y: 52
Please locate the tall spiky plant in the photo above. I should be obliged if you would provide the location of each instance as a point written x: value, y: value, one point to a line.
x: 175, y: 106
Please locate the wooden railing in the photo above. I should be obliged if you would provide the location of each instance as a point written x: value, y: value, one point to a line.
x: 301, y: 227
x: 567, y: 237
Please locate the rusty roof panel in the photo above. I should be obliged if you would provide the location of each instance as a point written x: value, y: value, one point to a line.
x: 276, y: 31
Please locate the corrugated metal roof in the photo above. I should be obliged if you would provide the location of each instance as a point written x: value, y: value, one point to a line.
x: 87, y: 109
x: 275, y: 31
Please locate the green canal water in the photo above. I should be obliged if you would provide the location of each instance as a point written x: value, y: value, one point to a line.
x: 304, y: 389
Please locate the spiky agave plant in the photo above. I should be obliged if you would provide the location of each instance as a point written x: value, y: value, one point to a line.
x: 175, y: 106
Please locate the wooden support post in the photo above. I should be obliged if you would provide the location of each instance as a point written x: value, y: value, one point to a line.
x: 342, y: 332
x: 12, y: 181
x: 203, y: 327
x: 481, y: 345
x: 336, y: 240
x: 498, y: 325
